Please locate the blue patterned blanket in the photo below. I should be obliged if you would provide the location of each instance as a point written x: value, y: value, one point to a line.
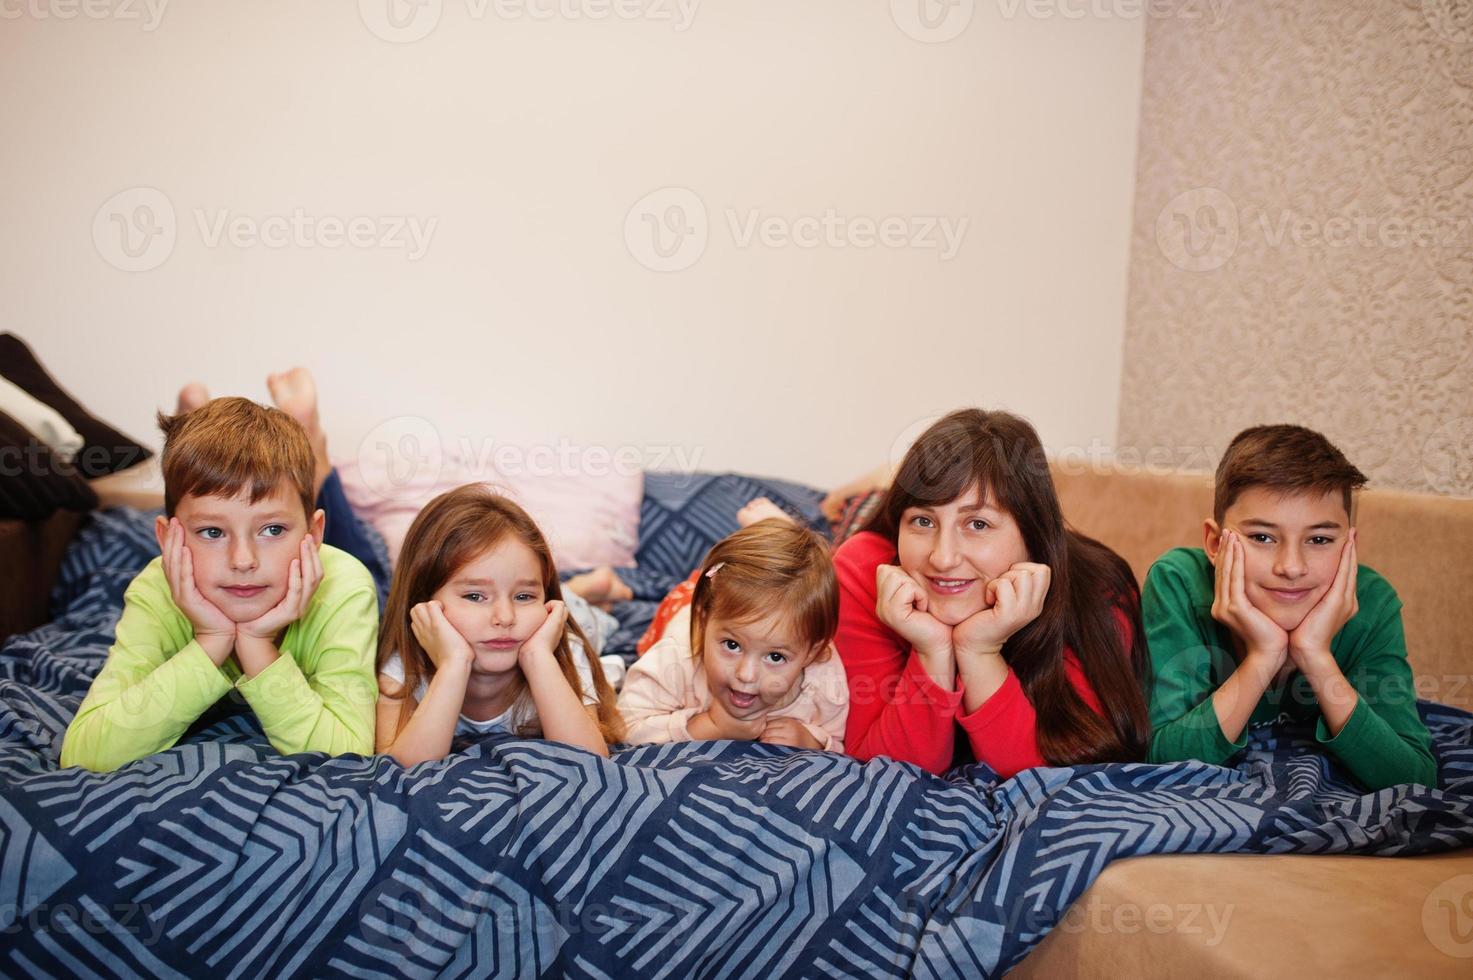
x: 519, y: 858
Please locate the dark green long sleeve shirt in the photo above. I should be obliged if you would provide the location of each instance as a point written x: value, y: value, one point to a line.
x: 1383, y: 743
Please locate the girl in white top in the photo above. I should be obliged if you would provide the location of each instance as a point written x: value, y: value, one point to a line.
x: 476, y: 637
x: 523, y: 714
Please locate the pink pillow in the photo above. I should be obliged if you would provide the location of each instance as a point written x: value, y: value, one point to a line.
x: 588, y: 519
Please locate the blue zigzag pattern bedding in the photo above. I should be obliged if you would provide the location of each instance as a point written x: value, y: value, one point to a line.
x: 520, y: 859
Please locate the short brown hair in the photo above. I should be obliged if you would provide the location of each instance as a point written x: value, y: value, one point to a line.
x: 228, y: 445
x: 771, y: 565
x: 1285, y: 459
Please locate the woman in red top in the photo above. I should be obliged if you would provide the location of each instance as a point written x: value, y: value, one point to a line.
x: 967, y: 602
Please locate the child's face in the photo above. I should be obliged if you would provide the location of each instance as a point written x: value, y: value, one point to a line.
x: 754, y: 667
x: 242, y: 552
x: 496, y: 601
x: 1291, y: 548
x: 955, y: 549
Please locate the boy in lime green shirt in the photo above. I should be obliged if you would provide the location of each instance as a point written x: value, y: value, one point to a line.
x: 243, y: 597
x: 1275, y: 620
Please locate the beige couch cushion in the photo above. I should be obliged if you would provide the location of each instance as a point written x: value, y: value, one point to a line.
x: 1248, y: 915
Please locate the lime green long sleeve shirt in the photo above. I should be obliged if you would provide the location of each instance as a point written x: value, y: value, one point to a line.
x: 1383, y: 743
x: 317, y: 696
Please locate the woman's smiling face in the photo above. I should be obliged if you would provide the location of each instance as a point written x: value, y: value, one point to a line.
x: 955, y: 549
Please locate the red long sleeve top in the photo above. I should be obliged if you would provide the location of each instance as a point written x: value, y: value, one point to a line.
x: 896, y: 708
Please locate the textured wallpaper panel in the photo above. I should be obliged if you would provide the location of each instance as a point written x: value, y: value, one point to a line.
x: 1303, y: 237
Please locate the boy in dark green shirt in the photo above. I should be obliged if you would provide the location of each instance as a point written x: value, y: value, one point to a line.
x: 1275, y: 620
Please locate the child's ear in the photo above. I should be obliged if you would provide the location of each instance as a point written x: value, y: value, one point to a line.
x: 819, y: 654
x: 1211, y: 540
x: 161, y: 530
x: 318, y: 523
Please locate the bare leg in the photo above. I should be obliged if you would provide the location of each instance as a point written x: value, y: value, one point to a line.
x: 142, y: 484
x: 295, y: 393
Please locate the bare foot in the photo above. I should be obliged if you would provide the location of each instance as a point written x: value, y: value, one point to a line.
x: 760, y: 509
x: 191, y: 396
x: 601, y: 587
x: 295, y: 393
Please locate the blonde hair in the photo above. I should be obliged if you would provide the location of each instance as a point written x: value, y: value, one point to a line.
x: 771, y: 565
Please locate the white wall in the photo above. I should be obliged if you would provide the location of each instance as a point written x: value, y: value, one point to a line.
x: 528, y: 141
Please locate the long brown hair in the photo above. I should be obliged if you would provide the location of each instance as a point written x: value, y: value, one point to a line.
x: 452, y: 530
x: 1000, y: 454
